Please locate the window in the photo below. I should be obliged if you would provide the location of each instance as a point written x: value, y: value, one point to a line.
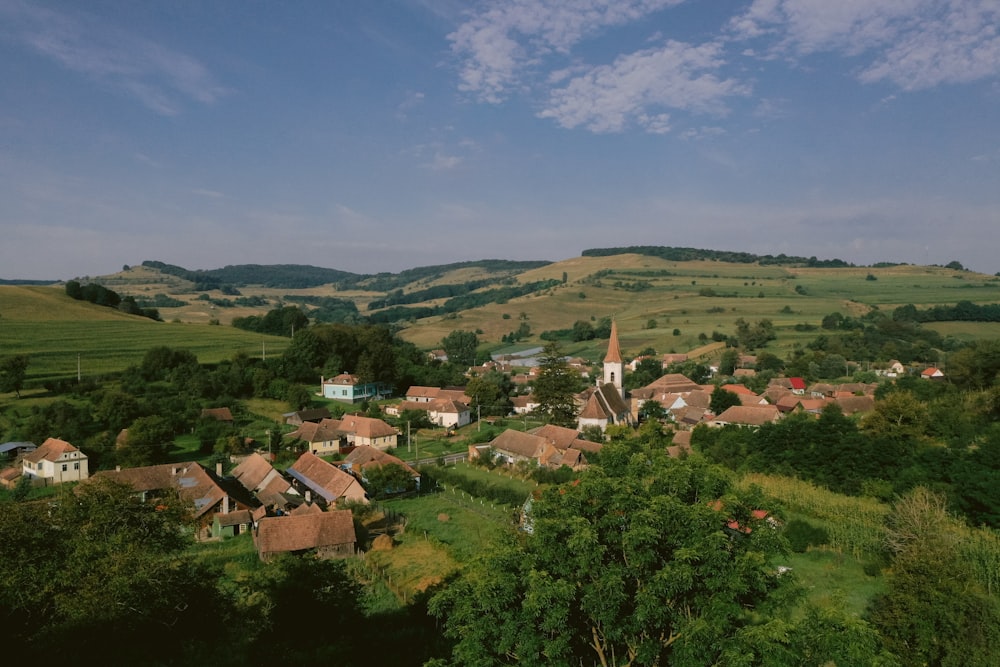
x: 76, y: 466
x: 65, y: 467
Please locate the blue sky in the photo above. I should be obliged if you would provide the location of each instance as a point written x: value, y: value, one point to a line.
x: 389, y: 134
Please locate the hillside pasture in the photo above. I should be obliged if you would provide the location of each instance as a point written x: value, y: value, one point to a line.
x: 667, y: 305
x: 57, y: 333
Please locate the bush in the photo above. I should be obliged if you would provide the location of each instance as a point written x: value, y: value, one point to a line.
x: 801, y: 535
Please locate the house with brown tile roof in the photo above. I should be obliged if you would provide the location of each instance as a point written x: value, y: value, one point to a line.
x: 673, y: 358
x: 55, y: 461
x: 232, y: 524
x: 306, y: 508
x: 680, y: 444
x: 327, y: 534
x: 368, y: 431
x: 324, y: 481
x: 795, y: 403
x: 674, y: 382
x: 448, y: 412
x: 514, y: 446
x: 741, y: 415
x: 190, y: 480
x: 323, y: 438
x: 9, y: 477
x: 421, y: 394
x: 524, y: 405
x: 852, y: 405
x: 312, y: 415
x: 256, y: 474
x: 752, y: 399
x: 365, y: 458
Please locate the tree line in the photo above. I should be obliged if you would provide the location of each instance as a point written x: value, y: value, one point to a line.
x: 102, y: 296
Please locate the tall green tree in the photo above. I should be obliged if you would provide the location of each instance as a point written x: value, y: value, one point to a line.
x: 13, y: 370
x: 630, y: 565
x: 491, y: 394
x: 932, y: 612
x: 101, y: 563
x: 460, y: 346
x: 556, y: 385
x: 722, y: 399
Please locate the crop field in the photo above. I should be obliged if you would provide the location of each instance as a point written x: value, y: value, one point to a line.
x: 666, y: 305
x: 61, y: 335
x: 669, y: 306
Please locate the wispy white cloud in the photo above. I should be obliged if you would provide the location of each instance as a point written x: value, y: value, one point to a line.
x: 504, y: 38
x: 442, y: 156
x: 914, y: 44
x: 160, y: 78
x: 609, y: 98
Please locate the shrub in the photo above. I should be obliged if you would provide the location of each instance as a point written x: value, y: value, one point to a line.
x: 801, y: 535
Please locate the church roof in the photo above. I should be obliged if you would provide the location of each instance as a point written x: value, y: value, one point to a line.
x: 614, y: 352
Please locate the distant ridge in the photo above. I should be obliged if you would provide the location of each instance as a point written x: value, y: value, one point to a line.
x: 15, y: 281
x: 695, y: 254
x: 301, y: 276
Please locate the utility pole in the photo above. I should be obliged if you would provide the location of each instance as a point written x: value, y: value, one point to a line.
x: 407, y: 435
x: 78, y: 375
x: 479, y: 418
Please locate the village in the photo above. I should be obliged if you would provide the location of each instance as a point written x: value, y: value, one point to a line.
x: 305, y: 507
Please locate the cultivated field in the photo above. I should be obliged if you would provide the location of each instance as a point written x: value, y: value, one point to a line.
x: 60, y: 335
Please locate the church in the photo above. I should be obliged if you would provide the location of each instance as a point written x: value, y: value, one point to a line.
x: 605, y: 403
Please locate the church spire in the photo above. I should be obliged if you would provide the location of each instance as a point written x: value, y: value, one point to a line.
x: 614, y: 354
x: 614, y: 368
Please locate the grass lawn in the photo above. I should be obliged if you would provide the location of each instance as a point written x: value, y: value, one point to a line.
x: 834, y: 580
x: 468, y: 529
x: 236, y: 556
x: 496, y: 477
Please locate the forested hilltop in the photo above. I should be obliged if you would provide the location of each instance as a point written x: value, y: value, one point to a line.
x: 300, y: 276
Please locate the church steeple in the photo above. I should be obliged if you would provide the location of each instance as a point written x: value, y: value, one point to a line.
x: 613, y: 365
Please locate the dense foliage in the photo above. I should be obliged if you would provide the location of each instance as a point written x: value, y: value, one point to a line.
x: 893, y: 449
x: 295, y: 276
x: 462, y: 302
x: 632, y: 564
x: 696, y: 254
x: 102, y: 296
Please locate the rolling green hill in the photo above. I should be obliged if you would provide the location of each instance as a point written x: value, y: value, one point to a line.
x: 57, y: 332
x: 670, y: 299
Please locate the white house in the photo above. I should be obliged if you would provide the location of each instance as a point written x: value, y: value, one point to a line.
x: 349, y: 389
x: 56, y: 461
x: 448, y: 413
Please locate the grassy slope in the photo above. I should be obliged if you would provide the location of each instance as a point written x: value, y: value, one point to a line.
x: 53, y: 329
x: 675, y: 301
x: 42, y: 322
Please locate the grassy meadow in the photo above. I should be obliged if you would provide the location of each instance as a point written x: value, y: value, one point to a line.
x: 58, y: 333
x: 666, y: 305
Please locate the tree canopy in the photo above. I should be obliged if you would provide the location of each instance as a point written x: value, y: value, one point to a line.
x: 555, y: 386
x: 630, y: 565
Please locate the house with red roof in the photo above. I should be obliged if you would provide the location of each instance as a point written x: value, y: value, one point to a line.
x: 54, y: 462
x: 328, y: 534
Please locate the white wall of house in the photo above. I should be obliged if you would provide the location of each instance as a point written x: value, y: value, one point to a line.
x: 69, y: 467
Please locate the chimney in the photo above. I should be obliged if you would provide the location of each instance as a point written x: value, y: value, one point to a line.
x: 309, y: 496
x: 218, y: 469
x: 118, y: 468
